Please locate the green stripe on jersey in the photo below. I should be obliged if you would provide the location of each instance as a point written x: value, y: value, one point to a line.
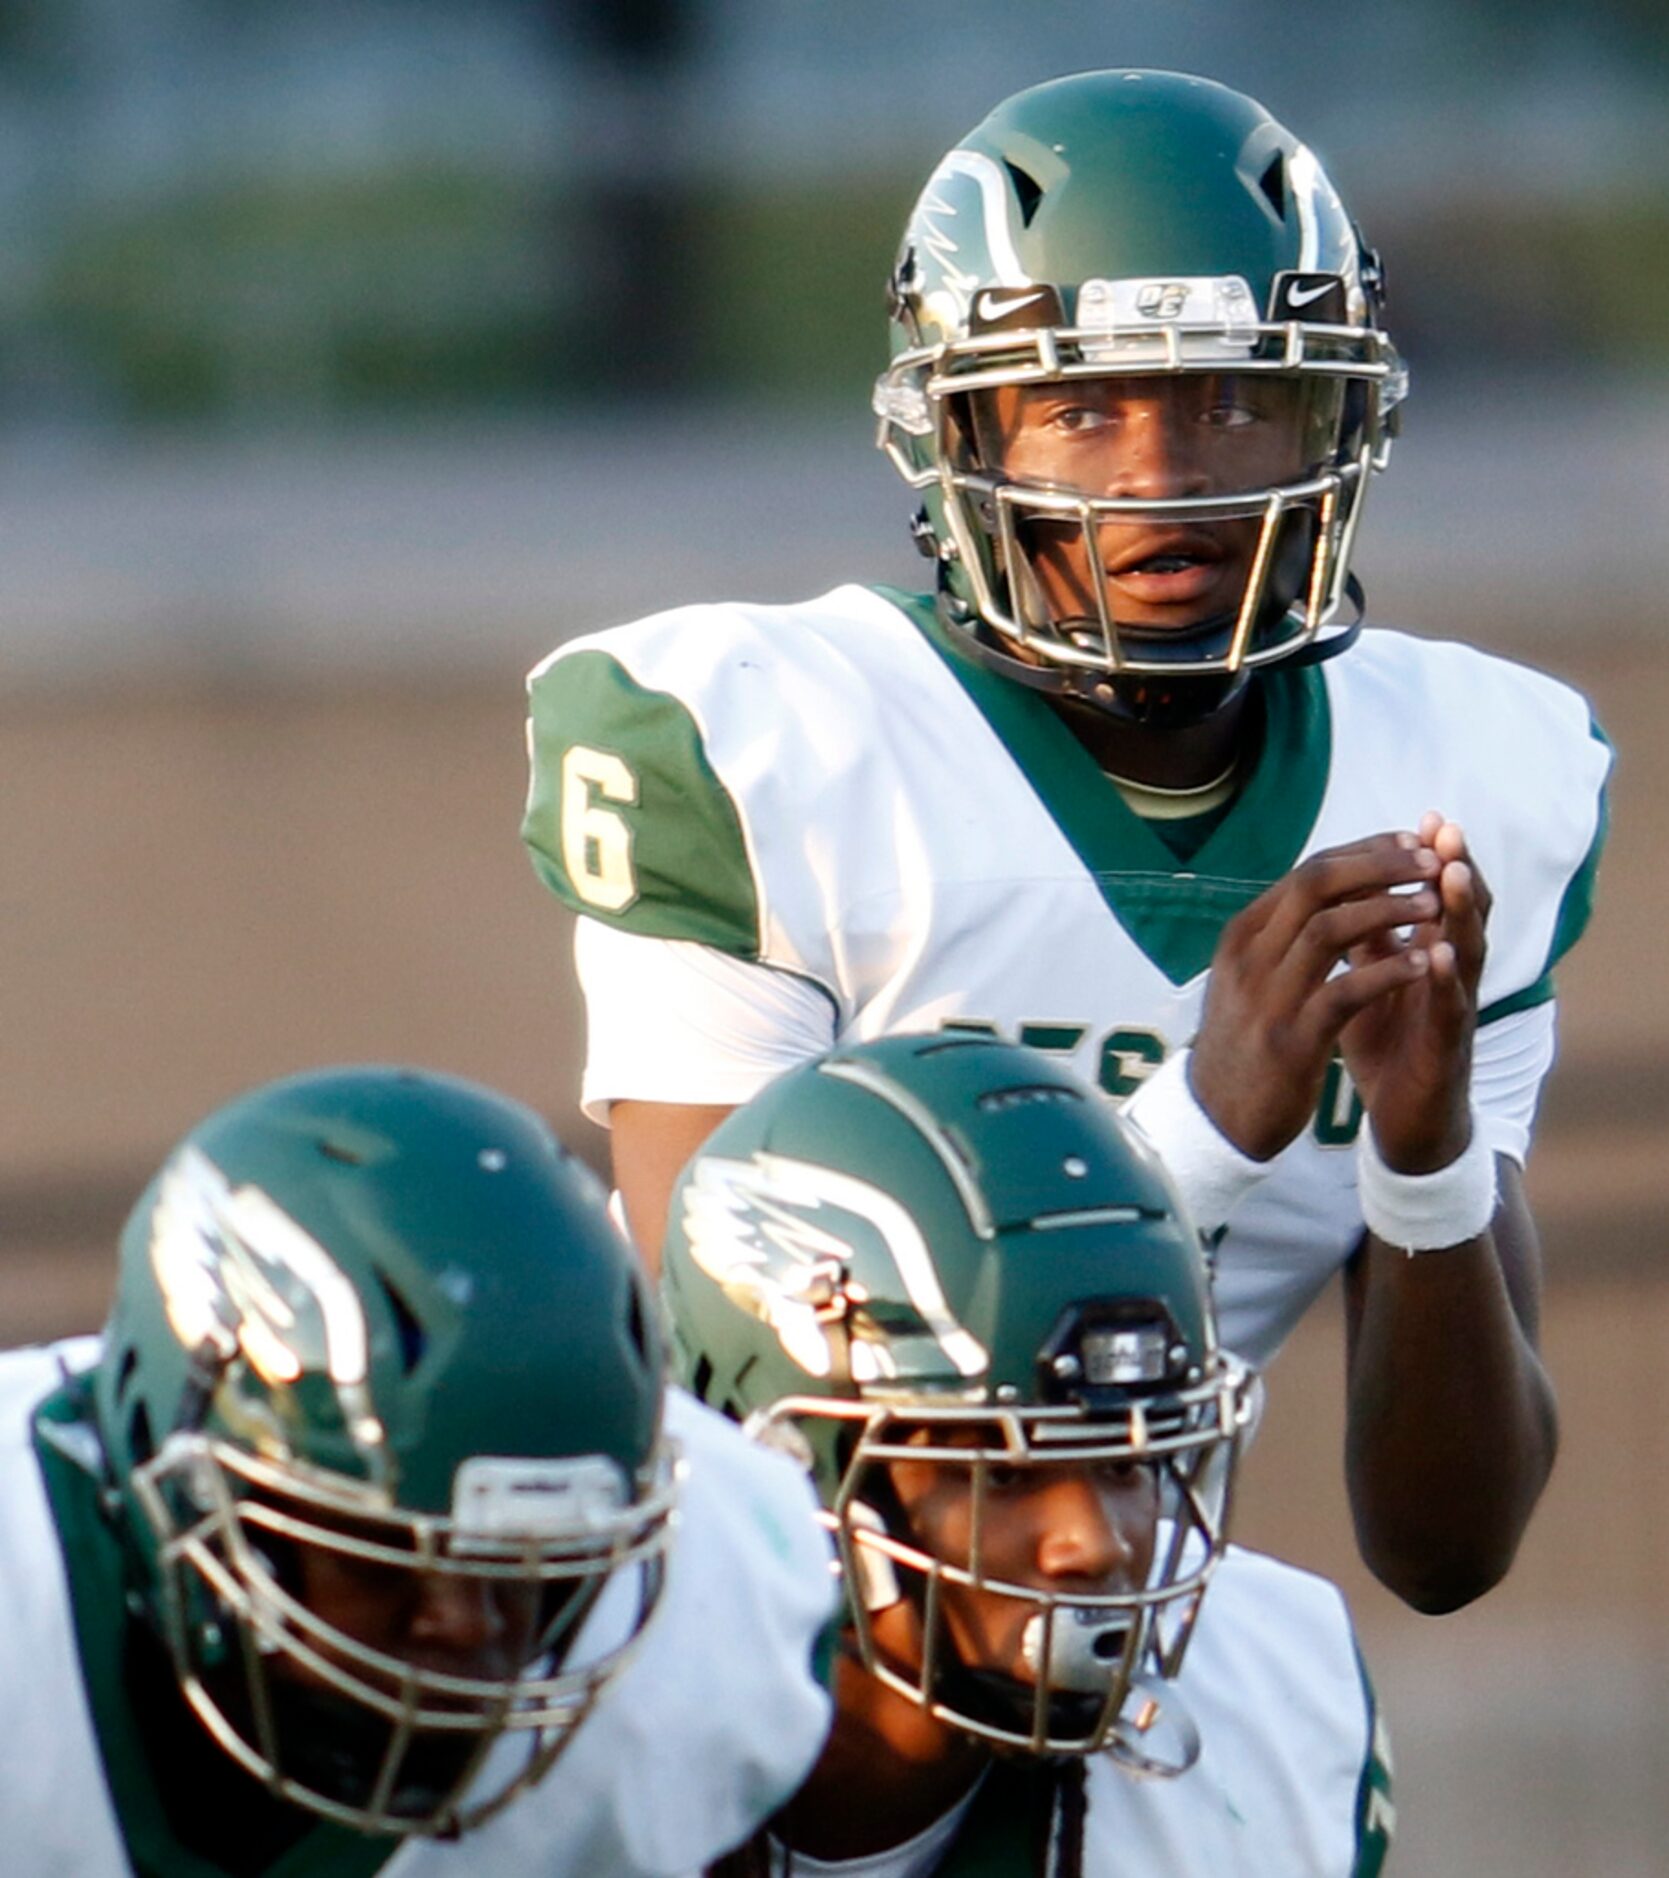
x: 1376, y: 1815
x: 1175, y: 913
x: 1526, y: 1000
x: 1578, y: 902
x: 626, y: 820
x: 1575, y: 908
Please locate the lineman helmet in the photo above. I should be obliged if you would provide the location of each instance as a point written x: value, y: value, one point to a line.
x: 948, y: 1249
x: 374, y: 1327
x: 1144, y: 230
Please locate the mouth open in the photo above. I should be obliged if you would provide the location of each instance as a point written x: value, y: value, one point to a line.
x: 1171, y: 570
x: 1174, y: 562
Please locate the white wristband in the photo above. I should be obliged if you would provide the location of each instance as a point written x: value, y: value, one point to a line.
x: 1209, y: 1170
x: 1427, y: 1212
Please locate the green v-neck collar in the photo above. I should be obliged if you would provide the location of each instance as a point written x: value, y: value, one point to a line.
x: 1173, y: 912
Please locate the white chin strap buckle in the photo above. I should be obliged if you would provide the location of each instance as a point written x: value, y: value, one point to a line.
x: 1154, y: 1737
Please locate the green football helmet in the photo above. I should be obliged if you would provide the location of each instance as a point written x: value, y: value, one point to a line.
x: 375, y: 1337
x: 948, y: 1249
x: 1145, y: 228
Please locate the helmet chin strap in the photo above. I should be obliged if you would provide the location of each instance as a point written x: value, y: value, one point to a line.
x: 1159, y: 703
x: 1319, y: 650
x: 1146, y: 698
x: 1154, y: 1737
x: 1171, y: 704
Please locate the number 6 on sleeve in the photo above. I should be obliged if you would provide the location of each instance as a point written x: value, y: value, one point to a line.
x: 597, y: 841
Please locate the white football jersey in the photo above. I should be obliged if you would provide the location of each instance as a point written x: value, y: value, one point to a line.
x: 1294, y: 1774
x: 1294, y: 1768
x: 795, y: 826
x: 709, y: 1728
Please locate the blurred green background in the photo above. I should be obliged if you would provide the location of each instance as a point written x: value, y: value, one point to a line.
x: 353, y: 352
x: 230, y: 210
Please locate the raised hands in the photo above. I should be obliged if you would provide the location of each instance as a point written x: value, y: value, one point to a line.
x: 1373, y: 948
x: 1409, y: 1052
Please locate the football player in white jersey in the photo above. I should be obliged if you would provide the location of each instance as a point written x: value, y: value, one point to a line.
x: 943, y: 1273
x: 368, y: 1538
x: 1108, y: 790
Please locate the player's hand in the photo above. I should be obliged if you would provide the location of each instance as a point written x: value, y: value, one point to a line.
x: 1410, y: 1052
x: 1278, y: 1002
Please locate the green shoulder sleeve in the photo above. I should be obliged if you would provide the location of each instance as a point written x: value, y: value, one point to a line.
x: 626, y: 820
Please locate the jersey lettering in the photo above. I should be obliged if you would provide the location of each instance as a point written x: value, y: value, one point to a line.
x: 1338, y: 1116
x: 1062, y: 1037
x: 1127, y: 1055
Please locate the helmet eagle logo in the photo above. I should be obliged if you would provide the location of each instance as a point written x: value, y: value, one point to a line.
x: 237, y: 1274
x: 837, y: 1268
x: 963, y: 237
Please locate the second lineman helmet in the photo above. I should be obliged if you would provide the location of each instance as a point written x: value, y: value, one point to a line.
x: 947, y: 1249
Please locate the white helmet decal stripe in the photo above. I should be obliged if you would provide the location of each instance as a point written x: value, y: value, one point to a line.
x: 236, y: 1271
x: 272, y: 1236
x: 939, y: 208
x: 748, y: 1228
x: 1304, y: 179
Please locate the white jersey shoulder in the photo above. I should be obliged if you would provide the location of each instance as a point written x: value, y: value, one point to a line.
x: 1509, y: 753
x: 719, y: 1716
x: 55, y: 1815
x: 1293, y: 1770
x: 761, y: 779
x: 1293, y: 1774
x: 715, y: 1721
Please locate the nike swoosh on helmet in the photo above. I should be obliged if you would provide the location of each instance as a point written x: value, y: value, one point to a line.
x: 1302, y: 296
x: 995, y: 306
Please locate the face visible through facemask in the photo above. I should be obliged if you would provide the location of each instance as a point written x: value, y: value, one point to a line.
x: 1171, y: 439
x: 384, y: 1634
x: 1065, y: 1530
x: 442, y: 1622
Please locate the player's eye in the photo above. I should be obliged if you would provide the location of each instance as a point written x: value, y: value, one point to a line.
x: 1079, y: 420
x: 1228, y: 415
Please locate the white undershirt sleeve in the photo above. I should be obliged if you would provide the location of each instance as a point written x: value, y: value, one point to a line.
x: 670, y: 1021
x: 1509, y: 1060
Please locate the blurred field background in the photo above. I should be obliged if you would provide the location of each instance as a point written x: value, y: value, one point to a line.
x: 354, y: 353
